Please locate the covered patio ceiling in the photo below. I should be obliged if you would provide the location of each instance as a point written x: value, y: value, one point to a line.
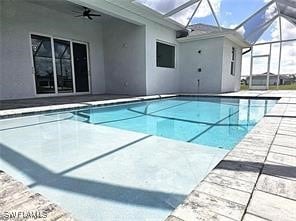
x: 249, y: 18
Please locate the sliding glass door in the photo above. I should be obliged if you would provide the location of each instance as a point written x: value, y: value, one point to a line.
x: 60, y: 66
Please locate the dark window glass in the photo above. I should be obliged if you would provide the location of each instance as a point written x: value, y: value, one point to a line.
x: 63, y: 62
x: 232, y: 68
x: 80, y: 67
x: 43, y: 66
x: 165, y: 55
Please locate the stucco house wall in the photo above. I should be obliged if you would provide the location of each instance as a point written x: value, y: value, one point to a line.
x: 205, y: 65
x: 161, y: 80
x: 230, y: 82
x: 124, y: 58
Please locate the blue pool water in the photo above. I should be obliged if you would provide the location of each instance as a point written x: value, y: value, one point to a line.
x: 210, y: 121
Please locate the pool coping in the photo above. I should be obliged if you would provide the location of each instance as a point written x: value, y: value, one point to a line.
x: 21, y: 112
x: 237, y: 174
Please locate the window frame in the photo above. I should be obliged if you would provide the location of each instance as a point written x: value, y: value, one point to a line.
x: 233, y: 61
x: 167, y: 44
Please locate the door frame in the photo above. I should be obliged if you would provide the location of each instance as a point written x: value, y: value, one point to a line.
x: 88, y: 65
x: 56, y: 93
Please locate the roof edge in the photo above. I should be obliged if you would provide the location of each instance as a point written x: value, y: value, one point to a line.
x: 231, y: 35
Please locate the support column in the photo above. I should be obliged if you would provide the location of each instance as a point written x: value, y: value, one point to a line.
x: 280, y: 54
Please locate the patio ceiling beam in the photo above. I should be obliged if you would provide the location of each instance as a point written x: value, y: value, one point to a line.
x: 253, y: 15
x: 188, y: 23
x: 180, y: 8
x: 214, y: 14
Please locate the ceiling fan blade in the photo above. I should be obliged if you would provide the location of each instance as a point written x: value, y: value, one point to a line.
x: 94, y: 15
x: 78, y: 16
x: 90, y: 17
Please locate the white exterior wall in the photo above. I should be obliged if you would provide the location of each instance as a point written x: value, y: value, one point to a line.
x: 124, y: 56
x: 160, y: 80
x: 18, y: 20
x: 210, y: 62
x: 230, y: 82
x: 215, y: 62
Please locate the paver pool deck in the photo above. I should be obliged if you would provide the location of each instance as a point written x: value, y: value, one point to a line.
x: 254, y: 181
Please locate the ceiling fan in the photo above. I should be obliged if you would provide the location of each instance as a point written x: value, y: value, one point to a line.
x: 87, y: 14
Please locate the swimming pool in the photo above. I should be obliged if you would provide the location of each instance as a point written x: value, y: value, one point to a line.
x: 107, y: 164
x: 210, y: 121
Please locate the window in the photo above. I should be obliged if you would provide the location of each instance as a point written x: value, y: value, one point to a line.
x: 165, y: 55
x: 232, y: 70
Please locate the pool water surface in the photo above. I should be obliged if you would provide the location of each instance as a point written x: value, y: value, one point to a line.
x: 216, y: 122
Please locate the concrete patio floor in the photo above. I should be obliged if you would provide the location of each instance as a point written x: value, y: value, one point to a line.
x: 255, y: 181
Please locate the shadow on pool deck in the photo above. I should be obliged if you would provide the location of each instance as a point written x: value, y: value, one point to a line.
x: 270, y: 169
x: 122, y: 194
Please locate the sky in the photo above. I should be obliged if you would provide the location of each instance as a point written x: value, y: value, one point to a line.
x: 231, y: 13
